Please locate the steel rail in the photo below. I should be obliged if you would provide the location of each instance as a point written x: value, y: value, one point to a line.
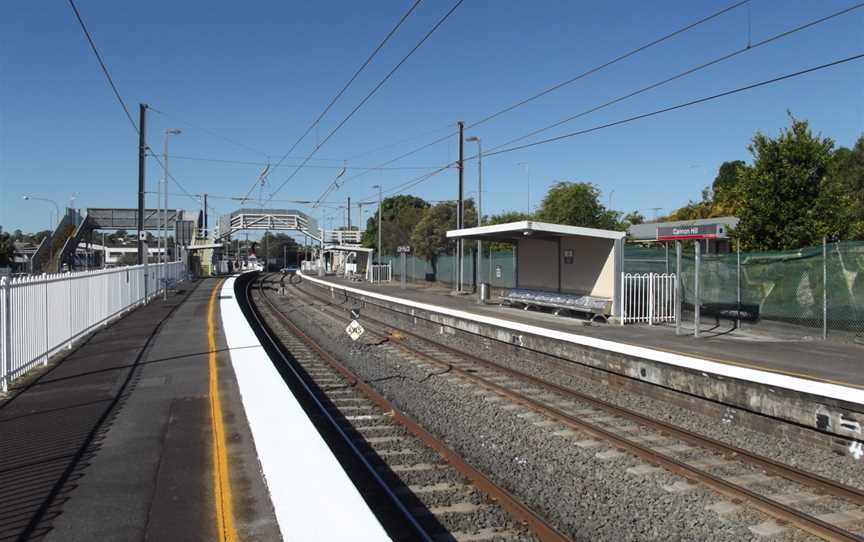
x: 735, y: 492
x: 358, y: 455
x: 527, y: 516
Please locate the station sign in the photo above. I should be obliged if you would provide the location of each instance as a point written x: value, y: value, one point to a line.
x: 691, y: 231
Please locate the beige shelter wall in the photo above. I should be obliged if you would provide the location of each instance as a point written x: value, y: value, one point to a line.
x: 593, y: 269
x: 537, y: 267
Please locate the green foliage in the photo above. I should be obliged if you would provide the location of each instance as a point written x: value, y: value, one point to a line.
x: 505, y: 217
x: 576, y: 204
x: 7, y: 249
x: 429, y: 236
x: 847, y: 169
x: 399, y: 215
x: 634, y: 218
x: 787, y: 198
x: 275, y: 244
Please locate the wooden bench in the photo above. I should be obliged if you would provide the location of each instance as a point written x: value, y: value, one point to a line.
x: 527, y: 299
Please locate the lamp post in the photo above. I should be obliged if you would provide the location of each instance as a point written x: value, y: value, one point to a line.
x: 51, y: 226
x: 479, y: 212
x: 163, y: 219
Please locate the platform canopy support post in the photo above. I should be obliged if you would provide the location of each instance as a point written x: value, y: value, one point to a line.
x: 697, y: 247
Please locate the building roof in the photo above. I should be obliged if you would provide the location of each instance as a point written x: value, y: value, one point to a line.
x: 648, y: 230
x: 513, y: 231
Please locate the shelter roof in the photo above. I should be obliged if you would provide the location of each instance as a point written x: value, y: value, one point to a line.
x: 513, y: 231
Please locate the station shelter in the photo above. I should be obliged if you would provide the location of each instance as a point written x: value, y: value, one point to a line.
x: 347, y: 260
x: 559, y: 266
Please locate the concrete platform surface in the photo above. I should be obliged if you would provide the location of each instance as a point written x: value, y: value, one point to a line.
x: 817, y: 360
x: 118, y: 440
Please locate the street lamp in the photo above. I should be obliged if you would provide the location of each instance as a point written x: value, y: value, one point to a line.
x: 51, y: 226
x: 163, y: 217
x: 479, y: 210
x: 378, y: 186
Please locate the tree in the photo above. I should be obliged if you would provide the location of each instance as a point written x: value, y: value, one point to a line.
x: 847, y: 169
x: 634, y: 218
x: 787, y: 198
x: 429, y: 236
x: 7, y: 249
x: 399, y: 215
x: 724, y: 199
x: 505, y: 217
x: 576, y: 204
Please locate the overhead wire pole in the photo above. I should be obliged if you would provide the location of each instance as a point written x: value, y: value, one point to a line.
x: 460, y: 205
x: 142, y: 153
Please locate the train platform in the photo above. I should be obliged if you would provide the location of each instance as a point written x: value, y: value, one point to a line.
x: 138, y: 433
x: 766, y: 375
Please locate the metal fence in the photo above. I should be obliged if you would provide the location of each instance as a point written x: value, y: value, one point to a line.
x: 648, y: 297
x: 496, y: 267
x: 814, y: 289
x: 40, y: 315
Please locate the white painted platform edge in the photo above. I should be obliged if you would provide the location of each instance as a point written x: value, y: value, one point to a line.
x: 813, y: 387
x: 312, y: 496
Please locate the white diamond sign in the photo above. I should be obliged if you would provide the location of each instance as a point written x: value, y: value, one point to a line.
x: 354, y: 330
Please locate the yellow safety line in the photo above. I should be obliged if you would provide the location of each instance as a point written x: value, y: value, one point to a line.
x: 225, y: 529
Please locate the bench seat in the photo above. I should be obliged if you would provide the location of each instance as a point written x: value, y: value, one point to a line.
x: 558, y: 300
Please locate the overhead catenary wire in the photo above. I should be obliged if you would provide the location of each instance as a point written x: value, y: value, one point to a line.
x: 210, y: 132
x: 562, y: 84
x: 414, y: 182
x: 317, y: 166
x: 605, y: 65
x: 373, y: 91
x: 339, y: 94
x: 676, y: 107
x: 103, y: 66
x: 745, y: 49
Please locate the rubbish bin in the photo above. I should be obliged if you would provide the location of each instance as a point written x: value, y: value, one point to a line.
x: 484, y: 293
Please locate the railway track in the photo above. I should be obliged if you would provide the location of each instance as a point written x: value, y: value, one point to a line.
x: 408, y: 472
x: 791, y: 496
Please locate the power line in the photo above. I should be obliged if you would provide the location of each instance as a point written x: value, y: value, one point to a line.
x: 615, y: 60
x: 102, y: 64
x: 170, y: 176
x: 399, y: 142
x: 253, y: 163
x: 562, y: 84
x: 690, y: 71
x: 373, y: 91
x: 418, y: 180
x: 675, y: 107
x: 210, y: 132
x: 347, y: 84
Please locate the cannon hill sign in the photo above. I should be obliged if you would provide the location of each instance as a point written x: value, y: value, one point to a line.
x: 691, y: 231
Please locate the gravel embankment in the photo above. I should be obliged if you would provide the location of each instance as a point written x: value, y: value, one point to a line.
x: 583, y: 489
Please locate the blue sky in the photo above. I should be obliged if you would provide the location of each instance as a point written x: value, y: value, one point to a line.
x: 260, y: 72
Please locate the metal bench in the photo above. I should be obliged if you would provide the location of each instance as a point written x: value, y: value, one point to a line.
x: 527, y: 299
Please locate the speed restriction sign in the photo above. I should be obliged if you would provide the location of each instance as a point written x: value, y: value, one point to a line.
x: 354, y: 330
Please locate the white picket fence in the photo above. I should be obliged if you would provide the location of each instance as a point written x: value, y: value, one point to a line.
x: 649, y: 298
x: 40, y: 315
x: 380, y: 273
